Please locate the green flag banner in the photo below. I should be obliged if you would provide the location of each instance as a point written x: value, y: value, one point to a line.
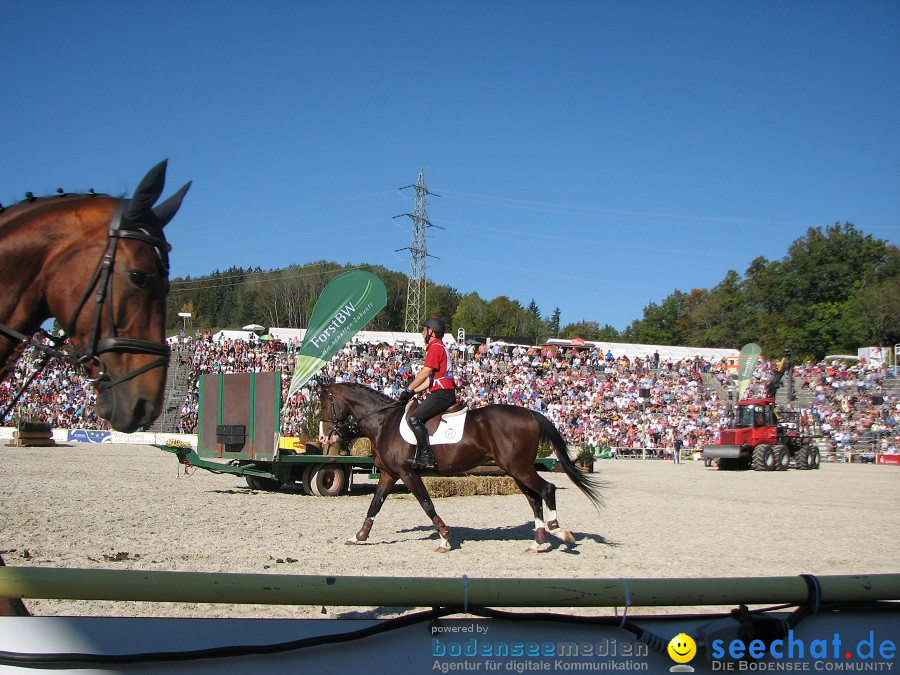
x: 346, y: 304
x: 747, y: 361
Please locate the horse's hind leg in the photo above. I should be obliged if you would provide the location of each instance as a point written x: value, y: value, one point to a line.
x: 536, y: 490
x: 540, y: 529
x: 549, y: 495
x: 385, y: 485
x: 414, y: 483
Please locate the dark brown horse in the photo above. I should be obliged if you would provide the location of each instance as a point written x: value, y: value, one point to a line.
x: 508, y: 434
x: 100, y: 266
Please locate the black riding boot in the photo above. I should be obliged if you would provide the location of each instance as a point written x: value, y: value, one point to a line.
x: 424, y: 458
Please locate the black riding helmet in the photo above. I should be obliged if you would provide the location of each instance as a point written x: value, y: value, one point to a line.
x: 436, y: 324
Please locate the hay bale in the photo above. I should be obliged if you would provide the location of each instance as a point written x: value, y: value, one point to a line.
x: 467, y: 486
x: 361, y: 447
x: 38, y: 427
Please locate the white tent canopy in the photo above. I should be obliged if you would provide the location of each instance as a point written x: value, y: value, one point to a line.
x: 666, y: 352
x: 223, y: 335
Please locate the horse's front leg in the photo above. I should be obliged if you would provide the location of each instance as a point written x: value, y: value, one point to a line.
x: 385, y: 485
x: 414, y: 482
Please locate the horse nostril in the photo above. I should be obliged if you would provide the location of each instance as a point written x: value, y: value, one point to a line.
x: 145, y: 412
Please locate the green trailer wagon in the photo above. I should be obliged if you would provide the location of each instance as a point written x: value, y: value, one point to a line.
x: 244, y: 411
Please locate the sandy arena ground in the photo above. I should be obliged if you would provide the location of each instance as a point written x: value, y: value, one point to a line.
x: 132, y: 507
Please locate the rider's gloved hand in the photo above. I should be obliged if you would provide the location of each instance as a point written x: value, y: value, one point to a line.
x: 405, y: 395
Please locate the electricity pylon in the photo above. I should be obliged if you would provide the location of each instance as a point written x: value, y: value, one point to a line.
x: 418, y: 254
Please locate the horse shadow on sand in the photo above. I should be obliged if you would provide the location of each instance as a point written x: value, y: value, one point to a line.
x: 523, y: 533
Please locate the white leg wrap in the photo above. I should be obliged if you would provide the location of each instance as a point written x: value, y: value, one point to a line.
x: 565, y: 535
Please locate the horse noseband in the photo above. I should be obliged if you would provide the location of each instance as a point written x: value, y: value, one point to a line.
x: 117, y: 344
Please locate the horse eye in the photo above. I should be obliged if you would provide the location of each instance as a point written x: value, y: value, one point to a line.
x: 139, y: 278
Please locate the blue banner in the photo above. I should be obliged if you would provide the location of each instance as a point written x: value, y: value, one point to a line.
x: 87, y: 436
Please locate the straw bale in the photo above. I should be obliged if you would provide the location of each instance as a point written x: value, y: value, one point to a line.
x: 467, y: 486
x: 361, y: 447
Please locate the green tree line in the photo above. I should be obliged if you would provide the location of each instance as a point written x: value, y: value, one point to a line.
x: 835, y: 289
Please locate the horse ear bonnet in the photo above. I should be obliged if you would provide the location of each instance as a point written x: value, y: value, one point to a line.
x: 140, y: 209
x: 167, y: 210
x: 147, y: 192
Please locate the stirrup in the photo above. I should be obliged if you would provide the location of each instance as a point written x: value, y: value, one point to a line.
x: 419, y: 463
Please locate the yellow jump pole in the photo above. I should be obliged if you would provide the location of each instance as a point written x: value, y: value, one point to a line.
x: 280, y: 589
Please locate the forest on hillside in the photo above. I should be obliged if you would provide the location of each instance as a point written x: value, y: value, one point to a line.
x: 834, y: 290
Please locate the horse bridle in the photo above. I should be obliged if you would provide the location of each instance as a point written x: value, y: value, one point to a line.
x: 349, y: 425
x: 101, y: 280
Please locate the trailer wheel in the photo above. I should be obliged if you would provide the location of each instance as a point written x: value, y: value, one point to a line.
x: 782, y: 458
x: 306, y: 478
x: 330, y: 480
x: 264, y: 484
x: 763, y: 458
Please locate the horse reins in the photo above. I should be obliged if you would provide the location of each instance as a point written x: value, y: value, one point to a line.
x: 102, y: 281
x: 350, y: 422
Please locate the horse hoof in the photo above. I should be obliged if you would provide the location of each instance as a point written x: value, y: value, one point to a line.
x: 351, y: 542
x: 538, y: 548
x: 443, y: 548
x: 563, y: 535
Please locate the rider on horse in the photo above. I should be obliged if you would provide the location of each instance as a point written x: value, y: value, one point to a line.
x: 437, y: 377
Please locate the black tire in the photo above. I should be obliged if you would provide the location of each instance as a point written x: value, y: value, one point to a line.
x: 263, y: 484
x: 782, y: 458
x: 763, y: 458
x: 801, y: 459
x: 814, y: 458
x: 330, y: 480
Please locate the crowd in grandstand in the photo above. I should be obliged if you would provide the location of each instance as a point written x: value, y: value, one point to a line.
x: 594, y: 398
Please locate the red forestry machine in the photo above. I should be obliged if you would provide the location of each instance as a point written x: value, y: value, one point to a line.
x: 765, y: 439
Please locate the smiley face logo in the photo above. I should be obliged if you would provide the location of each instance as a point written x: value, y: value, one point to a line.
x: 682, y: 648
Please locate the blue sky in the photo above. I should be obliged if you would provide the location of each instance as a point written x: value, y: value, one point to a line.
x: 590, y: 156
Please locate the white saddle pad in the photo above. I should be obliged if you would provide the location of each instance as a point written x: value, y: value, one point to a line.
x: 450, y: 430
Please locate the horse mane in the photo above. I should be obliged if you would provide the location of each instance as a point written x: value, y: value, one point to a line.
x: 31, y: 204
x: 375, y: 392
x: 60, y: 196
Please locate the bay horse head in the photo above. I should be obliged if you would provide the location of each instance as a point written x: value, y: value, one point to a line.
x: 100, y: 265
x: 335, y: 420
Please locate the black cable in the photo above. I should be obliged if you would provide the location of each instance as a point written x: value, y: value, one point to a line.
x: 68, y: 660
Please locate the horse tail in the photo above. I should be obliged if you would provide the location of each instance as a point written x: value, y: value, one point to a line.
x: 587, y: 483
